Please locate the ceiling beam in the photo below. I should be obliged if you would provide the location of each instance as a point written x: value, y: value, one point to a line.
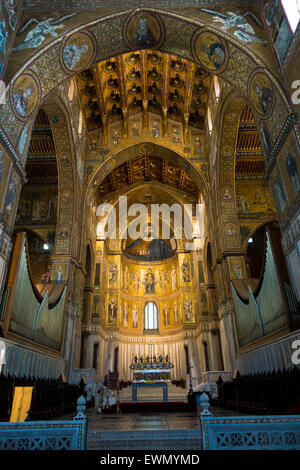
x: 122, y: 87
x: 100, y: 96
x: 166, y: 71
x: 189, y: 87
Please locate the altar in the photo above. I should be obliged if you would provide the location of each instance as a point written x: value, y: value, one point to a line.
x: 137, y: 385
x: 151, y: 372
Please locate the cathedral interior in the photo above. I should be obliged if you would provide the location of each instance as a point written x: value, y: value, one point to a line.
x: 187, y: 106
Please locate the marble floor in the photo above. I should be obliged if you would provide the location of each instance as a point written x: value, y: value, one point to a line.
x: 146, y: 421
x: 132, y: 431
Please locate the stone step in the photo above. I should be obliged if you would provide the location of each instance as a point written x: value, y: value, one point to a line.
x: 166, y: 439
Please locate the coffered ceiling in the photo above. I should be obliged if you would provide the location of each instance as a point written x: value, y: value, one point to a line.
x: 145, y: 80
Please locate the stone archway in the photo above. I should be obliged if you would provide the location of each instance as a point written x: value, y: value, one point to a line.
x: 228, y: 224
x: 69, y: 199
x: 116, y: 158
x: 183, y: 35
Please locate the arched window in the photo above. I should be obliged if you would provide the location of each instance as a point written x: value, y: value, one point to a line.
x: 217, y: 86
x: 71, y: 90
x: 150, y: 316
x: 209, y: 120
x: 292, y: 11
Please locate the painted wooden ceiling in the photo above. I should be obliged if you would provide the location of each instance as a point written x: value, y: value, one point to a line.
x: 41, y: 164
x: 144, y: 80
x: 147, y: 169
x: 249, y: 156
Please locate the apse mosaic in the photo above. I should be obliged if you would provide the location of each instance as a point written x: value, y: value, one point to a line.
x: 130, y: 284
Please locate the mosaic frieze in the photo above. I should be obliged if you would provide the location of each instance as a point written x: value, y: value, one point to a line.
x: 48, y: 68
x: 109, y: 32
x: 239, y: 68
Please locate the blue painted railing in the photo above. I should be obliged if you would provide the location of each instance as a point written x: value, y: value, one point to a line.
x: 251, y: 433
x: 46, y: 435
x: 248, y: 432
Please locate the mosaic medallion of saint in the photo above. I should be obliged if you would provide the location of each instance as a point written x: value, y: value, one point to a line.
x: 227, y: 151
x: 78, y: 51
x: 210, y: 51
x: 144, y: 30
x: 25, y: 95
x: 261, y: 93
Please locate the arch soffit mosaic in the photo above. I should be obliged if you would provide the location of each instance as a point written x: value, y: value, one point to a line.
x: 229, y: 124
x: 173, y: 33
x: 66, y: 165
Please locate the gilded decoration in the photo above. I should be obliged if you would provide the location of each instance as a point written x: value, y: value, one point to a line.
x: 239, y: 68
x: 143, y: 30
x: 280, y: 192
x: 262, y: 93
x: 11, y: 198
x: 288, y: 163
x: 211, y: 51
x: 130, y: 284
x: 78, y: 51
x: 49, y: 70
x: 178, y: 36
x: 108, y: 32
x: 5, y: 165
x: 237, y: 267
x: 25, y: 95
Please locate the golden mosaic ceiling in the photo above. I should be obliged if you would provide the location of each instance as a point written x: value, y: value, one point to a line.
x: 145, y: 80
x: 146, y: 169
